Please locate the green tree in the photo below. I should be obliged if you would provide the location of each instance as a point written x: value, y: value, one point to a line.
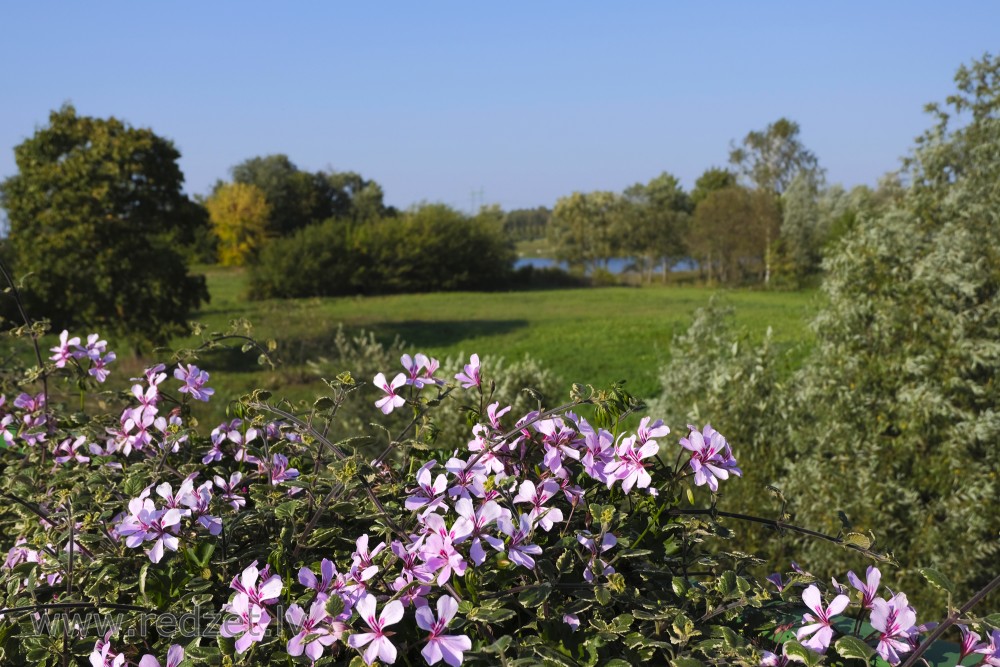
x: 239, y: 215
x: 732, y: 233
x: 96, y: 218
x: 770, y: 159
x: 652, y: 223
x: 527, y: 224
x: 581, y: 230
x: 298, y: 198
x: 712, y: 179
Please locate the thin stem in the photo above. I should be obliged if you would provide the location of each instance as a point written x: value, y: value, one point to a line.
x: 778, y: 525
x: 951, y: 620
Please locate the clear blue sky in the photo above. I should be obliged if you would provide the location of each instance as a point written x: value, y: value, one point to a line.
x: 527, y: 100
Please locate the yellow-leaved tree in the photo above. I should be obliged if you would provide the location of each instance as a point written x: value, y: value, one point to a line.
x: 239, y: 213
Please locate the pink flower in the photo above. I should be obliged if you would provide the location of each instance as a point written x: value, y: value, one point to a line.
x: 265, y: 593
x: 391, y: 400
x: 440, y: 646
x: 247, y: 619
x: 175, y: 656
x: 67, y: 451
x: 315, y: 626
x: 869, y: 589
x: 194, y: 381
x: 280, y: 471
x: 62, y: 352
x: 470, y: 378
x: 970, y: 643
x: 711, y: 457
x: 629, y: 466
x: 597, y: 565
x: 991, y: 651
x: 893, y: 619
x: 379, y: 645
x: 546, y: 517
x: 820, y: 623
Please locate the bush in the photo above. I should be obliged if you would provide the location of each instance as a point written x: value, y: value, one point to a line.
x: 537, y: 538
x: 96, y: 219
x: 431, y: 248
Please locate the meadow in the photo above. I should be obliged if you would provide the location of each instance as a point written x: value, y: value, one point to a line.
x: 595, y: 335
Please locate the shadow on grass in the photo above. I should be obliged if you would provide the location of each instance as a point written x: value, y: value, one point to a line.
x: 415, y: 334
x: 439, y: 333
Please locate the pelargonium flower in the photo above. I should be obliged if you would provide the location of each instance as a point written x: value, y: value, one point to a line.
x: 175, y: 656
x: 991, y: 651
x: 441, y: 646
x: 67, y: 451
x: 629, y: 466
x: 391, y: 400
x: 194, y: 380
x: 316, y: 626
x: 264, y: 593
x: 103, y: 656
x: 413, y: 369
x: 471, y: 376
x: 820, y: 623
x: 970, y: 643
x: 280, y: 471
x: 62, y: 350
x: 378, y: 643
x: 229, y: 489
x: 247, y: 619
x: 893, y: 619
x: 711, y: 457
x: 487, y: 513
x: 869, y: 589
x: 429, y: 495
x: 518, y: 550
x: 546, y: 517
x: 597, y: 564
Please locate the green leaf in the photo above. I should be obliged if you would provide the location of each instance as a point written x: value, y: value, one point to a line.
x: 938, y: 580
x: 686, y: 662
x: 501, y: 644
x: 852, y: 647
x: 859, y: 540
x: 603, y: 595
x: 286, y: 510
x: 498, y: 615
x: 535, y: 595
x: 800, y: 653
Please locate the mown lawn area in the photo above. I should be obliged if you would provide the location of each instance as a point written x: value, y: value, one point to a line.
x: 594, y: 335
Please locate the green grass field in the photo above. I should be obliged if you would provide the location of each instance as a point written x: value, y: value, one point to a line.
x: 593, y: 336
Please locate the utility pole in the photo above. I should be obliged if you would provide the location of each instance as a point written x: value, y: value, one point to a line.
x: 475, y: 195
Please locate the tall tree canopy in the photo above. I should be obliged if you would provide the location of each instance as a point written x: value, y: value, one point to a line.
x: 652, y: 222
x: 239, y: 215
x: 771, y: 158
x: 96, y: 215
x: 298, y: 198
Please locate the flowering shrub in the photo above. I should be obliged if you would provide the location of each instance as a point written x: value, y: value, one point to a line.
x: 550, y: 537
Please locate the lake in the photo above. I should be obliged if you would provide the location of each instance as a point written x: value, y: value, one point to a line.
x: 615, y: 264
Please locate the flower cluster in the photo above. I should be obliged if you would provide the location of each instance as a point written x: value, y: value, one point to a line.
x: 144, y: 522
x: 95, y: 351
x: 893, y: 618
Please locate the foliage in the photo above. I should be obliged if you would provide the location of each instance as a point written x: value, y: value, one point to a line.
x: 581, y: 230
x: 526, y: 224
x: 732, y: 234
x: 891, y: 424
x: 712, y: 179
x: 280, y: 537
x: 239, y: 215
x: 429, y: 248
x: 771, y: 158
x: 653, y: 223
x: 299, y: 198
x: 96, y: 220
